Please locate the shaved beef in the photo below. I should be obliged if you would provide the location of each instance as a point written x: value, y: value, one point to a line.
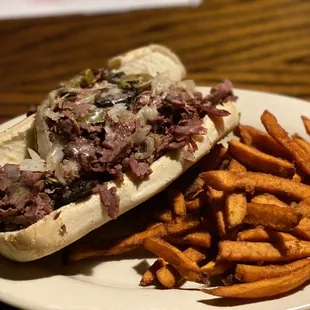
x: 109, y: 199
x: 139, y: 169
x: 69, y: 127
x: 221, y: 93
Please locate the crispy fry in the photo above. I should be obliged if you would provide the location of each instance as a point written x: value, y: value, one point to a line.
x: 299, y: 176
x: 302, y: 143
x: 262, y: 141
x: 271, y: 216
x: 133, y: 242
x: 259, y: 161
x: 251, y: 181
x: 259, y: 234
x: 214, y: 159
x: 272, y: 126
x: 149, y: 276
x: 303, y: 228
x: 303, y: 207
x: 262, y: 251
x: 236, y: 206
x: 187, y: 268
x: 269, y: 200
x: 306, y: 122
x: 169, y: 277
x: 217, y: 202
x: 178, y: 202
x: 194, y: 189
x: 236, y: 166
x: 164, y: 215
x: 215, y: 268
x: 264, y: 288
x: 252, y: 273
x: 195, y: 204
x: 201, y: 239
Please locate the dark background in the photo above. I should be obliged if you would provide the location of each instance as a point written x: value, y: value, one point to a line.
x: 259, y: 44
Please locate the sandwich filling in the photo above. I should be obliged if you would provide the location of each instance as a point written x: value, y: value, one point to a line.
x: 96, y: 127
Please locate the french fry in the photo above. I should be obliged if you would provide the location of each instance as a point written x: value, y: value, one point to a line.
x: 178, y: 202
x: 234, y: 165
x: 252, y: 273
x: 217, y: 201
x: 187, y: 268
x: 272, y: 126
x: 262, y: 141
x: 195, y: 204
x: 164, y: 215
x: 215, y: 268
x: 133, y: 242
x: 269, y: 200
x: 236, y: 206
x: 256, y: 181
x: 255, y: 159
x: 302, y: 143
x: 303, y: 228
x: 201, y: 239
x: 264, y: 288
x: 306, y: 122
x: 169, y: 277
x: 271, y: 216
x: 259, y: 234
x: 194, y: 189
x: 149, y: 276
x: 214, y: 159
x: 235, y: 251
x: 303, y: 207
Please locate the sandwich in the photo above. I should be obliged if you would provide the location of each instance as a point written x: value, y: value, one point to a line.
x: 102, y: 143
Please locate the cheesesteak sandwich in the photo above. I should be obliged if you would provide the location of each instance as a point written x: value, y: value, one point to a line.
x: 101, y: 144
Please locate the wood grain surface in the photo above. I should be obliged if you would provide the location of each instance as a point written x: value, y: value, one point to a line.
x: 258, y: 44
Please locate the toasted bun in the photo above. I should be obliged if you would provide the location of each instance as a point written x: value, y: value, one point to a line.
x: 71, y: 222
x: 153, y: 59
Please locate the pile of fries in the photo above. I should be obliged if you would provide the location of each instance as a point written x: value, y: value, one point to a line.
x: 241, y: 215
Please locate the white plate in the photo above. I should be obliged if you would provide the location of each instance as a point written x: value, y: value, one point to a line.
x: 113, y: 284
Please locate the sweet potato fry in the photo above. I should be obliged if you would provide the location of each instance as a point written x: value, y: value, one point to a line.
x: 262, y: 251
x: 217, y: 201
x: 306, y: 122
x: 194, y: 189
x: 214, y: 159
x: 262, y: 141
x: 164, y: 215
x: 133, y: 242
x: 269, y: 200
x: 259, y: 234
x: 303, y: 207
x: 234, y: 165
x: 271, y: 216
x: 187, y: 268
x: 259, y: 161
x: 236, y: 206
x: 252, y: 181
x: 215, y: 268
x: 303, y: 228
x: 302, y: 143
x: 195, y: 204
x: 169, y: 277
x: 177, y: 201
x: 252, y: 273
x: 272, y: 126
x: 201, y: 239
x: 149, y: 276
x: 264, y: 288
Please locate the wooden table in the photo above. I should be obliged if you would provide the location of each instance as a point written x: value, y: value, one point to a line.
x: 258, y: 44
